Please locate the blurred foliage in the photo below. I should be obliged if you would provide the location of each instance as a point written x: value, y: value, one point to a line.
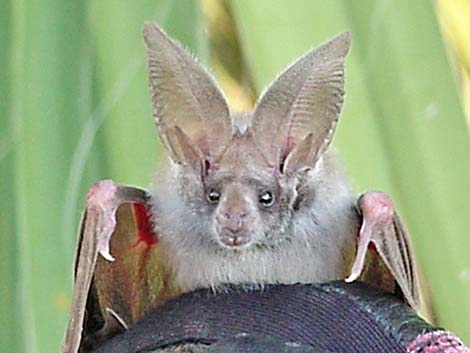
x: 454, y: 16
x: 227, y: 60
x: 74, y: 109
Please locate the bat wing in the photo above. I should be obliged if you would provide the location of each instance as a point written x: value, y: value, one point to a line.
x: 120, y: 271
x: 383, y: 233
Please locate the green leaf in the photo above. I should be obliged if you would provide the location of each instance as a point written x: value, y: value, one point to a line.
x: 10, y: 295
x: 47, y: 103
x: 71, y: 67
x: 402, y: 129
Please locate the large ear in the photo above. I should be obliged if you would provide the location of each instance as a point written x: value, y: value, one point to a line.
x: 295, y: 118
x: 190, y: 111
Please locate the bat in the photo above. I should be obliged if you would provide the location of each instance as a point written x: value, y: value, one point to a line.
x: 246, y: 198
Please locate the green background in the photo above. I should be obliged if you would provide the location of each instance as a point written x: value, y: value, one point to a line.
x: 74, y: 109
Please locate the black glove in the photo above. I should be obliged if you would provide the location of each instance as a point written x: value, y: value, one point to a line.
x: 332, y: 317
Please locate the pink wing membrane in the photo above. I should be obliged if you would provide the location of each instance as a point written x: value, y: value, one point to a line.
x: 383, y: 229
x: 120, y: 273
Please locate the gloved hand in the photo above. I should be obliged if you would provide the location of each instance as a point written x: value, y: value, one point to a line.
x: 332, y: 317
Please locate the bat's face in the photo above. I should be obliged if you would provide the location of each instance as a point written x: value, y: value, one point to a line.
x: 247, y: 201
x: 235, y: 202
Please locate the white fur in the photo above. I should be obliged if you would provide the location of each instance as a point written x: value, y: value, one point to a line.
x: 322, y: 236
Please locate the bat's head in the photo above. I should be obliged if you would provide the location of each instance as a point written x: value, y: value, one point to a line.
x: 245, y: 196
x: 240, y: 177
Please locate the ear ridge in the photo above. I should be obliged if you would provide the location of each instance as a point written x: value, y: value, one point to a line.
x: 305, y: 99
x: 184, y: 94
x: 182, y: 148
x: 299, y: 157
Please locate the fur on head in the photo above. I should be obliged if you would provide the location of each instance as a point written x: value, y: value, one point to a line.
x: 255, y: 204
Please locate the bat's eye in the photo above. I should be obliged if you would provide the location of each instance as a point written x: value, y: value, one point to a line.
x: 213, y: 196
x: 266, y: 198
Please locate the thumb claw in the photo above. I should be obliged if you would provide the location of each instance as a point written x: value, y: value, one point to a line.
x: 107, y: 255
x: 352, y: 277
x: 103, y: 249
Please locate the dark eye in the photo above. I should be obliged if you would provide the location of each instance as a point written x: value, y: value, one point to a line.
x: 266, y: 198
x: 213, y: 196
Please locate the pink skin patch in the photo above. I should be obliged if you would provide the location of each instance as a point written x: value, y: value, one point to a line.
x: 102, y: 193
x: 377, y: 207
x: 101, y: 200
x: 437, y: 342
x: 377, y: 210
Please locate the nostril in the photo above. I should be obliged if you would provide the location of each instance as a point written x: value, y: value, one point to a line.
x: 232, y: 221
